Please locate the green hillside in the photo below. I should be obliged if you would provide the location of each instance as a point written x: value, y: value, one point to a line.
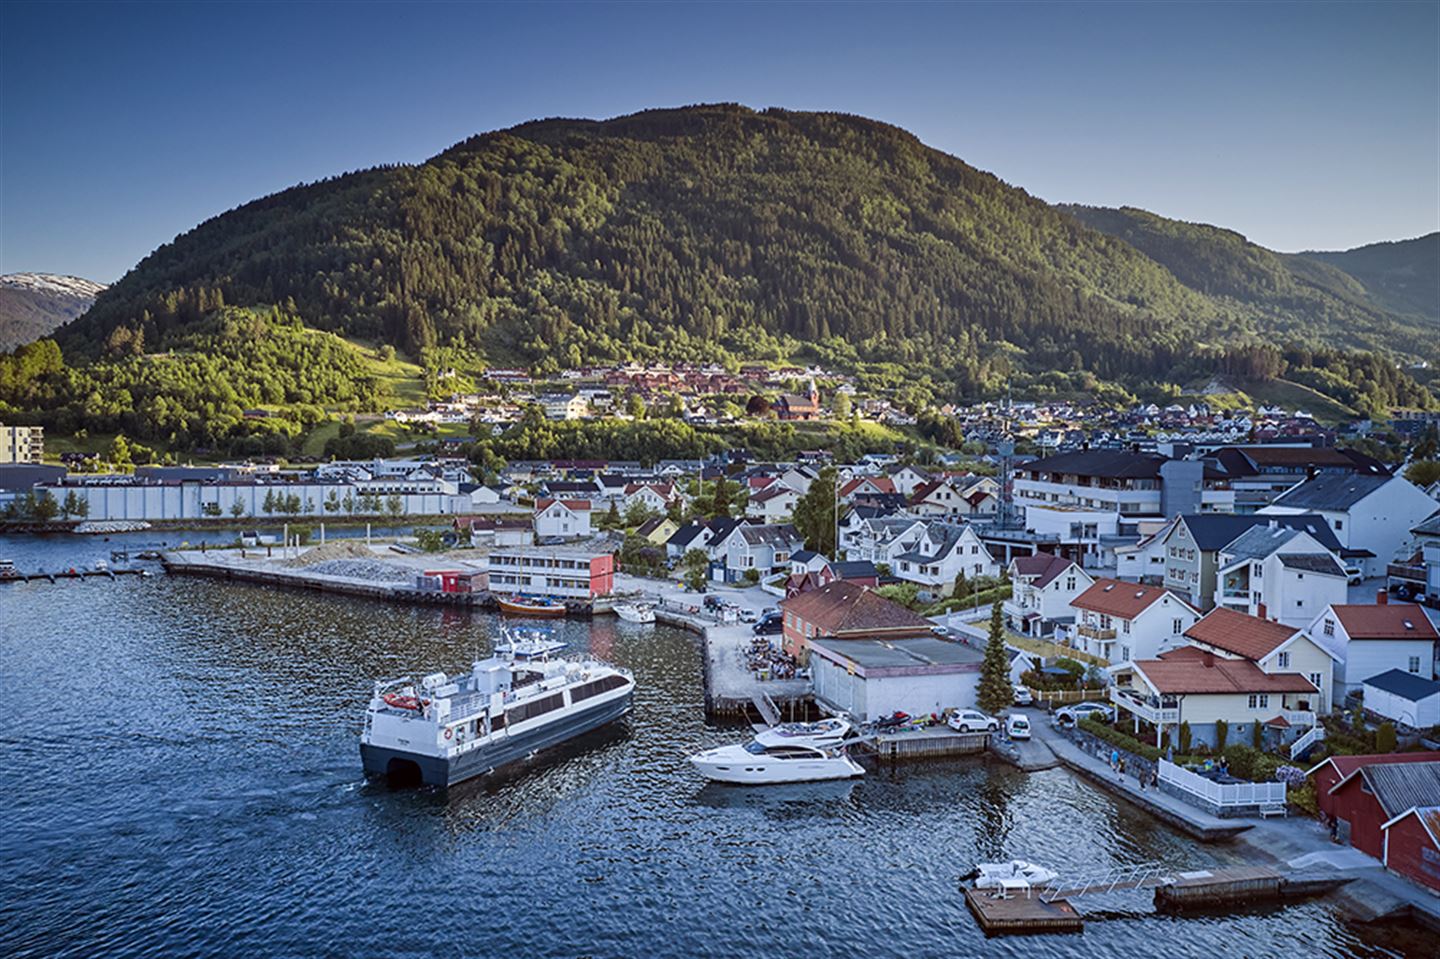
x: 688, y: 233
x: 1403, y: 276
x: 1301, y: 298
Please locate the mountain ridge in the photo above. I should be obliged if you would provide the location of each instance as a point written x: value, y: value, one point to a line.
x: 34, y: 305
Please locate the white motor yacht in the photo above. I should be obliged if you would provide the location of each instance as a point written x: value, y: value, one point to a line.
x: 756, y: 764
x: 995, y: 875
x: 825, y: 734
x: 635, y: 612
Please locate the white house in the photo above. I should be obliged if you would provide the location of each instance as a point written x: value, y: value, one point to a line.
x: 565, y: 406
x: 943, y: 551
x: 1043, y: 586
x: 1121, y: 621
x: 907, y: 479
x: 1404, y: 698
x: 1369, y: 640
x: 765, y: 548
x: 773, y: 504
x: 655, y: 497
x: 1371, y: 515
x: 1279, y: 573
x: 562, y: 517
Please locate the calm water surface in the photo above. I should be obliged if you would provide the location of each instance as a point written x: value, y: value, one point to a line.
x: 181, y: 777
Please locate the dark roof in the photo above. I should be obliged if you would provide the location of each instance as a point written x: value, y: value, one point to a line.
x: 1407, y: 686
x: 1401, y: 786
x: 1043, y: 566
x: 1312, y: 563
x: 1252, y: 460
x: 855, y: 569
x: 1429, y: 526
x: 685, y: 535
x: 1115, y: 464
x: 1213, y: 531
x: 23, y: 476
x: 920, y: 651
x: 1331, y: 491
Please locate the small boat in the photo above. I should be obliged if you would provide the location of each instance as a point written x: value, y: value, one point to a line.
x: 635, y: 612
x: 826, y: 734
x: 994, y: 875
x: 756, y: 764
x: 534, y: 606
x: 523, y: 645
x: 8, y: 570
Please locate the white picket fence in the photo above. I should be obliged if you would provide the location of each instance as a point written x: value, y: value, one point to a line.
x: 1233, y: 794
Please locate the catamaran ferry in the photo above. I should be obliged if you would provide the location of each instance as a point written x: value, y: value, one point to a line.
x: 447, y: 729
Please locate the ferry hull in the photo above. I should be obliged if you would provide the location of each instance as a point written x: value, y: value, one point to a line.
x: 443, y: 771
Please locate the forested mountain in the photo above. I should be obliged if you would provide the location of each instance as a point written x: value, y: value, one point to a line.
x: 1403, y: 276
x: 692, y: 232
x: 1294, y: 297
x: 32, y: 305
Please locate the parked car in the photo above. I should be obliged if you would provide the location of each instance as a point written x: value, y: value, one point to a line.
x: 770, y: 624
x: 1022, y: 696
x: 972, y: 721
x: 1070, y: 715
x: 1017, y: 727
x: 1353, y: 574
x: 749, y: 616
x: 940, y: 630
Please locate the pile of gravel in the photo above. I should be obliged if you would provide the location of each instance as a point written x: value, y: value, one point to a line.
x: 370, y: 570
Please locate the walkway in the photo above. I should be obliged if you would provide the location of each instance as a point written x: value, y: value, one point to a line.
x: 1190, y: 819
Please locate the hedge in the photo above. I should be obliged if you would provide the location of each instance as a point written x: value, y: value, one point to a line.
x: 1116, y: 738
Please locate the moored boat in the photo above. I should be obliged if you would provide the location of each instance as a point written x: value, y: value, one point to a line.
x: 824, y: 733
x: 446, y: 729
x: 756, y: 764
x: 533, y: 606
x: 635, y: 612
x: 8, y: 570
x: 995, y: 875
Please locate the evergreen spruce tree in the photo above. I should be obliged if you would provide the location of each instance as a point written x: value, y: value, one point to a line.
x: 995, y: 693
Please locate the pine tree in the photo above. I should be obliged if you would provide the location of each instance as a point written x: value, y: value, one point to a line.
x: 995, y: 692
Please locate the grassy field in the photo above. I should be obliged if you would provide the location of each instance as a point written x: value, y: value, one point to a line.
x: 1282, y: 393
x: 402, y: 380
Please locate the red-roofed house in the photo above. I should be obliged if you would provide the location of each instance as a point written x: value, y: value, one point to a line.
x: 562, y: 517
x: 1375, y: 793
x: 866, y: 486
x: 1044, y: 587
x: 1201, y: 687
x: 844, y: 610
x: 1272, y: 646
x: 773, y: 504
x: 1331, y: 770
x: 1367, y: 640
x: 1121, y: 621
x: 655, y: 497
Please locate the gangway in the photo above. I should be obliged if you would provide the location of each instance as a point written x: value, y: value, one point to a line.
x: 1148, y: 875
x: 768, y: 710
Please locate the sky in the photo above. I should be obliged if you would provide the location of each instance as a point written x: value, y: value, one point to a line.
x: 1302, y: 125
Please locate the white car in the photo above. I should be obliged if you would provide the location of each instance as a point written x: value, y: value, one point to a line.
x: 1022, y: 696
x: 972, y: 721
x: 1017, y: 727
x: 1069, y: 715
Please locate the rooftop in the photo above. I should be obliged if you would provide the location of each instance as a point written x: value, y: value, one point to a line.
x: 1192, y: 670
x: 1118, y: 598
x: 1384, y: 621
x: 1234, y: 632
x: 1407, y: 686
x: 842, y: 607
x: 1331, y: 491
x: 920, y: 651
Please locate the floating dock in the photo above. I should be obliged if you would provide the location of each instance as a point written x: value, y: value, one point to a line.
x: 73, y: 574
x: 1000, y: 914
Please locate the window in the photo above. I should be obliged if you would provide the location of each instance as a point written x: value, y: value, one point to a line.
x: 1177, y: 626
x: 1414, y: 664
x: 1329, y: 627
x: 1070, y: 583
x: 595, y: 687
x: 535, y: 707
x: 1314, y: 680
x: 1339, y: 524
x: 1259, y: 701
x: 1125, y: 627
x: 1257, y: 570
x: 1125, y: 654
x: 1282, y: 661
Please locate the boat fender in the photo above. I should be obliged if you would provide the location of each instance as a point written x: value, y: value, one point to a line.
x: 584, y: 676
x: 449, y: 732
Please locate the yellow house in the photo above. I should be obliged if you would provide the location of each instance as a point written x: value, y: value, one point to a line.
x: 658, y: 530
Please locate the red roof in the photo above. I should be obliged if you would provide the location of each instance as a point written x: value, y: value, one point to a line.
x: 573, y: 505
x: 1388, y: 621
x: 1239, y: 633
x: 882, y: 483
x: 1191, y: 670
x: 1121, y: 599
x: 1043, y: 566
x: 840, y: 607
x: 1347, y: 766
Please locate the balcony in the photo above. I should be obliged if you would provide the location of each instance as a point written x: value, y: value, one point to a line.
x: 1298, y: 717
x: 1098, y: 633
x: 1133, y: 702
x: 1407, y: 572
x: 1242, y: 595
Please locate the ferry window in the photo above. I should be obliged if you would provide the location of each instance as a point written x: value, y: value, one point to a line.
x: 497, y: 722
x: 595, y: 687
x: 536, y: 707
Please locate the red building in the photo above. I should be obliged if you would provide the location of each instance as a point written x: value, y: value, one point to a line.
x: 1376, y: 793
x: 843, y: 610
x: 1412, y: 845
x: 1331, y: 771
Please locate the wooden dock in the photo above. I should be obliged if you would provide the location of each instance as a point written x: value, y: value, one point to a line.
x: 81, y: 574
x: 1011, y: 913
x: 925, y: 744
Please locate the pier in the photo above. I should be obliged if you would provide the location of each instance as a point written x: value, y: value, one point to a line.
x: 74, y: 573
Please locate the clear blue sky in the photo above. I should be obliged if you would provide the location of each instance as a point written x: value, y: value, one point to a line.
x: 1302, y: 125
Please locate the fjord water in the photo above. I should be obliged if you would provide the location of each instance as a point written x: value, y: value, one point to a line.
x: 181, y: 777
